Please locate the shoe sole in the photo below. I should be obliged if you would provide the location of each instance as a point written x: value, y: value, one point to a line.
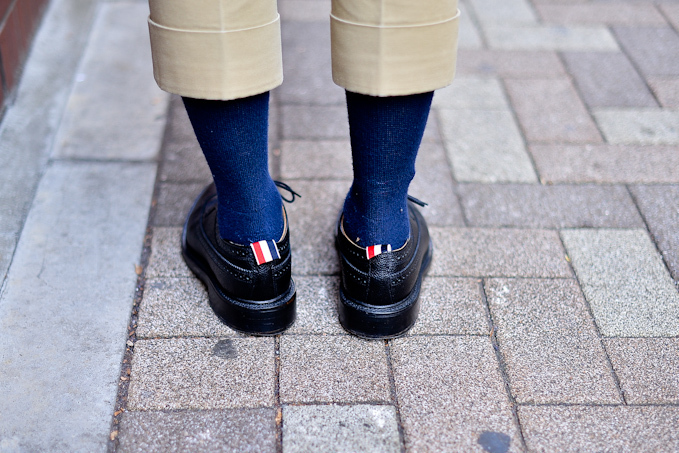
x: 374, y: 322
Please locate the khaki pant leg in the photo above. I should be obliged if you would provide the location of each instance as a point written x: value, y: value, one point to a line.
x: 394, y: 47
x: 216, y: 49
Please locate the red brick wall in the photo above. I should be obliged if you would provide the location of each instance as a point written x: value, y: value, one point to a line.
x: 18, y: 21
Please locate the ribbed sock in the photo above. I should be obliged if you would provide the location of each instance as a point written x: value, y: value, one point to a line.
x: 385, y: 136
x: 234, y: 138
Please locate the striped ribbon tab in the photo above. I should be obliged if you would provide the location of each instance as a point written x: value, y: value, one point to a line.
x: 265, y: 251
x: 374, y: 250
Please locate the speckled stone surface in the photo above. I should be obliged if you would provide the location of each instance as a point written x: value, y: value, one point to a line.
x: 450, y: 392
x: 166, y: 258
x: 652, y: 126
x: 340, y: 369
x: 647, y: 368
x: 318, y: 159
x: 317, y: 299
x: 332, y: 428
x: 549, y: 343
x: 559, y: 428
x: 234, y: 430
x: 201, y: 373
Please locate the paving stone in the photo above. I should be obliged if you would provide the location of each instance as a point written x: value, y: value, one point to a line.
x: 313, y: 221
x: 166, y: 257
x: 466, y: 92
x: 642, y: 126
x: 509, y: 63
x: 469, y: 36
x: 364, y: 428
x: 671, y: 12
x: 660, y: 207
x: 503, y: 12
x: 608, y: 79
x: 613, y: 13
x: 433, y: 184
x: 451, y: 393
x: 317, y: 299
x: 625, y: 281
x: 316, y: 159
x: 177, y: 307
x: 116, y: 110
x: 235, y: 430
x: 476, y: 252
x: 8, y: 243
x: 606, y: 163
x: 333, y: 369
x: 538, y: 206
x: 202, y: 373
x: 560, y: 115
x: 174, y: 201
x: 306, y: 62
x: 485, y: 146
x: 646, y: 368
x: 450, y: 306
x: 553, y: 428
x: 666, y: 89
x: 549, y: 343
x: 550, y: 38
x: 314, y: 122
x: 304, y: 11
x: 655, y: 50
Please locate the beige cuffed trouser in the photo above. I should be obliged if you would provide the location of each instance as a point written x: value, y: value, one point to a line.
x: 229, y: 49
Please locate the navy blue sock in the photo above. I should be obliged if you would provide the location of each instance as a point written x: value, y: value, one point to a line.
x: 234, y: 138
x: 385, y: 136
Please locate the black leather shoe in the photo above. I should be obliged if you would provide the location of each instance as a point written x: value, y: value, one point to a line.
x: 379, y: 297
x: 249, y: 297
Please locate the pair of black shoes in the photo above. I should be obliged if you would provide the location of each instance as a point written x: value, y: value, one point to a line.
x: 378, y: 295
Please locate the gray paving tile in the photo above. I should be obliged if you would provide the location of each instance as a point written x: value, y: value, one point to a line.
x: 313, y: 220
x: 316, y: 306
x: 306, y: 61
x: 304, y: 11
x: 666, y: 89
x: 567, y: 120
x: 340, y: 429
x: 671, y: 12
x: 660, y: 207
x: 450, y: 306
x: 550, y: 428
x: 472, y: 92
x: 497, y: 12
x: 433, y: 184
x: 314, y: 122
x: 66, y: 303
x: 333, y: 369
x: 612, y: 13
x: 476, y: 252
x: 655, y: 50
x: 639, y: 126
x: 177, y: 307
x: 316, y: 159
x: 8, y: 243
x: 509, y: 63
x: 606, y: 163
x: 549, y: 342
x: 550, y: 38
x: 202, y: 373
x: 451, y: 394
x: 539, y: 206
x: 646, y: 368
x: 625, y: 281
x: 235, y: 430
x: 608, y: 79
x: 469, y: 36
x: 485, y: 146
x: 174, y: 202
x: 166, y: 257
x: 116, y: 110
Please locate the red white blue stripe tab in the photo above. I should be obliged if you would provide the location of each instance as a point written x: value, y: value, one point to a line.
x: 374, y: 250
x: 265, y: 251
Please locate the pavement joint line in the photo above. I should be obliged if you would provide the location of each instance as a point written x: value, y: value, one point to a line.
x: 502, y: 366
x: 277, y: 394
x: 471, y: 12
x: 651, y: 235
x: 609, y: 363
x: 667, y: 19
x: 394, y: 397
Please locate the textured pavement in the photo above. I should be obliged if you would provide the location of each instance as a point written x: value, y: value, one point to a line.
x: 550, y: 317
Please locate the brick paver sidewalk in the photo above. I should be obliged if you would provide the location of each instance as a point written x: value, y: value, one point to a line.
x: 550, y: 318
